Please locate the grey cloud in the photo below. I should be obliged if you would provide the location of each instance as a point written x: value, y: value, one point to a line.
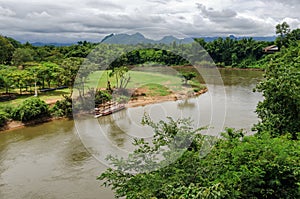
x: 104, y: 5
x: 54, y: 20
x: 6, y: 12
x: 214, y: 15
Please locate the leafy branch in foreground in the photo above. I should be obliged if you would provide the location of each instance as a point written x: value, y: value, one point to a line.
x: 238, y: 166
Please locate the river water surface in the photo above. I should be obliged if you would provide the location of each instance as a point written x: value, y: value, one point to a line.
x: 50, y: 161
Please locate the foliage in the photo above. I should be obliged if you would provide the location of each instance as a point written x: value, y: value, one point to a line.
x: 188, y: 76
x: 62, y: 108
x: 3, y: 118
x: 280, y: 110
x: 102, y: 97
x: 236, y: 53
x: 282, y: 30
x: 8, y: 110
x: 122, y: 76
x: 22, y: 55
x: 237, y: 167
x: 31, y: 108
x: 6, y: 50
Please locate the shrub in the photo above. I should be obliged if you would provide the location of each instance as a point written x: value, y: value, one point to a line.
x: 3, y: 118
x: 62, y: 107
x: 102, y: 97
x: 8, y: 110
x: 31, y: 108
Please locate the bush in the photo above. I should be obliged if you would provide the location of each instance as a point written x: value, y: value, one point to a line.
x: 8, y: 110
x: 102, y: 97
x: 62, y: 108
x: 3, y: 118
x: 31, y: 108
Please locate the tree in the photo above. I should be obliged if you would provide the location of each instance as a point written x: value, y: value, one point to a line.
x: 23, y: 55
x: 6, y: 50
x: 6, y: 75
x: 121, y: 75
x: 280, y: 110
x: 282, y: 29
x: 188, y: 76
x: 70, y: 67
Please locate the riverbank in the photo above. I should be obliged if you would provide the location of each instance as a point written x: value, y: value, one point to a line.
x: 134, y: 102
x: 12, y: 124
x: 180, y: 95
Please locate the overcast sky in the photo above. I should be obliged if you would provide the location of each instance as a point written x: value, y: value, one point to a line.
x: 74, y: 20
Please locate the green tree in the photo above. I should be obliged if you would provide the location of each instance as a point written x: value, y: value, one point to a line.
x: 23, y: 55
x: 70, y: 67
x: 282, y: 30
x: 6, y: 50
x: 121, y: 75
x: 188, y: 76
x: 280, y: 110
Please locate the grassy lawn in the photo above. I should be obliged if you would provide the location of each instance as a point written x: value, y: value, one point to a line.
x: 138, y: 80
x: 51, y: 95
x: 156, y: 89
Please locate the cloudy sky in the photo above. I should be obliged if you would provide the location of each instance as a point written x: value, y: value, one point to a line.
x: 74, y: 20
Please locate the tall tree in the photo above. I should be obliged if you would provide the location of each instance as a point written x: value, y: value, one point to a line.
x: 6, y: 50
x: 282, y: 30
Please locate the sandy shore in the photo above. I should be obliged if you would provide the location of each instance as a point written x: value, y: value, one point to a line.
x: 12, y: 125
x: 142, y: 100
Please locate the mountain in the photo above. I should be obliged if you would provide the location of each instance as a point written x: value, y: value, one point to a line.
x: 126, y: 39
x: 138, y: 38
x: 38, y: 44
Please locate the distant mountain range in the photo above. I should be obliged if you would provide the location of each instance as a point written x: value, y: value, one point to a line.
x: 52, y: 44
x: 139, y: 38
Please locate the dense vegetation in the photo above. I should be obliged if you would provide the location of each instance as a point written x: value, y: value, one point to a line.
x: 30, y: 109
x: 265, y: 165
x: 280, y: 111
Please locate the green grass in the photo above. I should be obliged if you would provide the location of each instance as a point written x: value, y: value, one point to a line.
x: 138, y: 80
x: 156, y: 90
x: 51, y: 95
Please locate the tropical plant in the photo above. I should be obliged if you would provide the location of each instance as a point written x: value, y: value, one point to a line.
x: 237, y: 166
x: 31, y: 108
x: 62, y: 108
x: 3, y: 118
x: 280, y: 110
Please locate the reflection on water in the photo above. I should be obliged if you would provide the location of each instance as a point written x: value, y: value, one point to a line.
x: 49, y: 161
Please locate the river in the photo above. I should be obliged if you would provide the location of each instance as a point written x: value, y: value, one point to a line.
x: 50, y: 161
